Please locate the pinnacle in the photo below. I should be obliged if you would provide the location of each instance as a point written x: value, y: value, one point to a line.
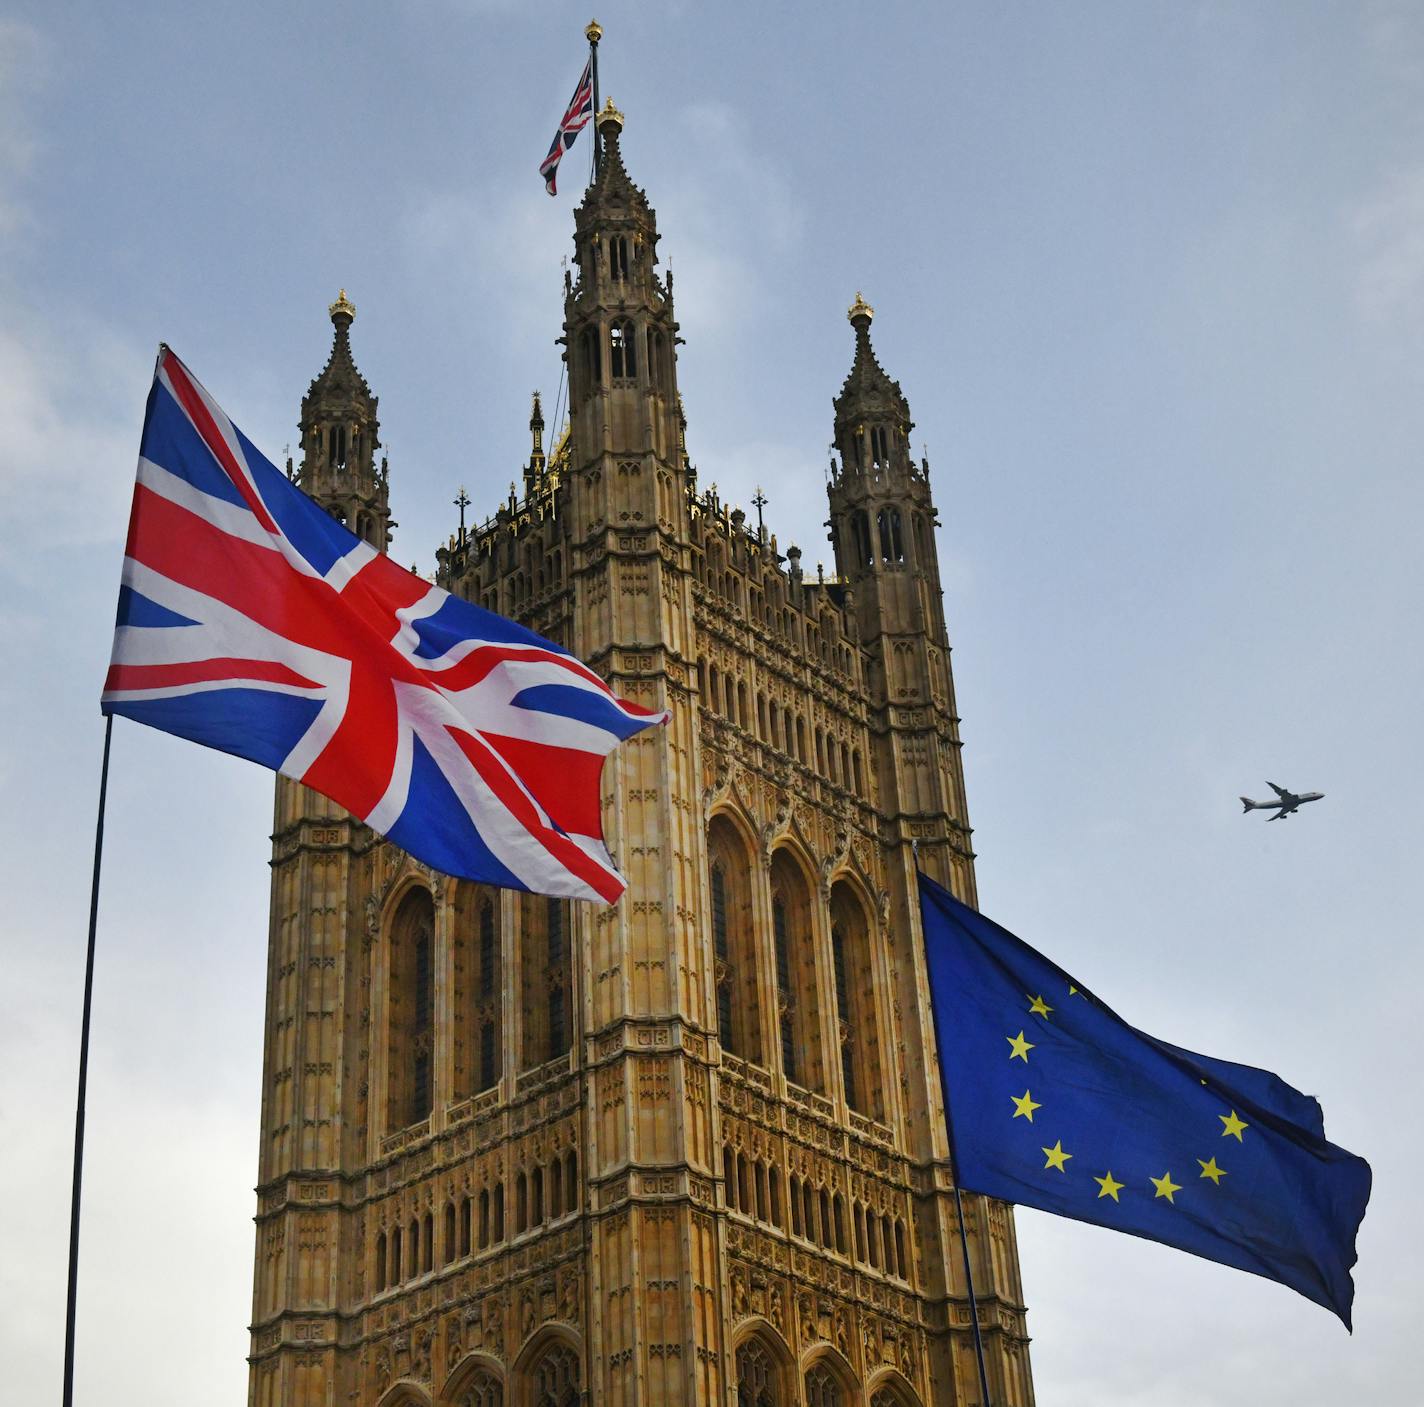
x: 340, y: 374
x: 868, y: 387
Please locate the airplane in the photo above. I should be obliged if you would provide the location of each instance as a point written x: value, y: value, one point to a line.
x: 1287, y: 801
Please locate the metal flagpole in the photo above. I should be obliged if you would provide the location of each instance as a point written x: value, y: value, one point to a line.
x: 954, y: 1173
x: 84, y: 1076
x: 595, y: 33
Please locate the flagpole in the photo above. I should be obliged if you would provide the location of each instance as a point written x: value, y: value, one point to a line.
x: 68, y: 1399
x: 594, y: 33
x: 954, y: 1174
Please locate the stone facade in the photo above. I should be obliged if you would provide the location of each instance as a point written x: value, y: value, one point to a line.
x: 688, y: 1148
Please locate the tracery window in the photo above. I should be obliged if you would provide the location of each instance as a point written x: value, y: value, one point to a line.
x: 618, y: 259
x: 892, y: 543
x: 410, y: 1021
x: 622, y: 350
x: 756, y: 1376
x: 738, y: 1016
x: 483, y: 1390
x: 592, y: 362
x: 823, y: 1389
x: 797, y: 1002
x: 486, y: 1008
x: 889, y: 1397
x: 556, y: 1378
x: 860, y: 531
x: 860, y: 1045
x: 547, y: 979
x: 879, y: 447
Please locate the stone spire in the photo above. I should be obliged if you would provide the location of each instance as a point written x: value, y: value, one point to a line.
x: 881, y: 514
x: 538, y: 463
x: 340, y: 435
x: 869, y: 398
x: 619, y: 331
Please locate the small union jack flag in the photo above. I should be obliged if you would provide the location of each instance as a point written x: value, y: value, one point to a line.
x: 574, y: 120
x: 251, y: 621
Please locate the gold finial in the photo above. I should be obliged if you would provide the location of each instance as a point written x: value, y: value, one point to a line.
x: 610, y: 116
x: 860, y: 309
x: 342, y: 308
x: 594, y: 32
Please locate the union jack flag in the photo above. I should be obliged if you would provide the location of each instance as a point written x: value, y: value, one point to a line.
x: 574, y: 120
x: 251, y: 621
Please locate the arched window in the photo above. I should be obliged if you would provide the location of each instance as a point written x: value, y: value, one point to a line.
x: 411, y: 1012
x: 855, y: 978
x: 756, y: 1376
x: 879, y: 447
x: 555, y: 1378
x: 395, y: 1257
x: 429, y: 1243
x: 622, y: 350
x: 892, y: 544
x: 381, y: 1262
x: 797, y: 1004
x: 618, y: 259
x: 592, y: 361
x: 487, y: 992
x: 890, y: 1396
x: 484, y: 1218
x: 823, y: 1388
x: 548, y: 979
x: 860, y: 532
x: 571, y: 1187
x: 483, y: 1390
x: 738, y: 1017
x: 452, y: 1242
x: 556, y: 1189
x: 657, y: 354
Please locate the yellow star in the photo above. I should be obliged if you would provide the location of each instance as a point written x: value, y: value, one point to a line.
x: 1039, y: 1007
x: 1210, y: 1169
x: 1025, y: 1106
x: 1233, y: 1126
x: 1110, y: 1188
x: 1074, y: 992
x: 1057, y: 1157
x: 1020, y: 1046
x: 1165, y: 1186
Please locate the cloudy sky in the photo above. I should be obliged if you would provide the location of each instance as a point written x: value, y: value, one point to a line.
x: 1152, y: 276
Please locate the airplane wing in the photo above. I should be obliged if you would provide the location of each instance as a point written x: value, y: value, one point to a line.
x: 1279, y: 791
x: 1279, y: 814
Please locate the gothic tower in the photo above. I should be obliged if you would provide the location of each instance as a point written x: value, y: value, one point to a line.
x: 688, y: 1149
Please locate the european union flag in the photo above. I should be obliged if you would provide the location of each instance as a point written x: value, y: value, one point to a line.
x: 1056, y: 1102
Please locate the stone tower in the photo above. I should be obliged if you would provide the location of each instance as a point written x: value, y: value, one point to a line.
x: 688, y: 1149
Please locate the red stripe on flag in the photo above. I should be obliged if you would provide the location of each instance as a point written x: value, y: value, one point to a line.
x: 564, y: 780
x: 604, y: 883
x: 206, y: 426
x: 166, y: 676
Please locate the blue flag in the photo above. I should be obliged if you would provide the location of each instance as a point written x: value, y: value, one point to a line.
x: 1056, y: 1102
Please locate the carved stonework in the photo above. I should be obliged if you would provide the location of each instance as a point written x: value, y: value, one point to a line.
x: 629, y: 1152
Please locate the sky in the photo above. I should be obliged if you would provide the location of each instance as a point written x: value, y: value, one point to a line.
x: 1152, y: 278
